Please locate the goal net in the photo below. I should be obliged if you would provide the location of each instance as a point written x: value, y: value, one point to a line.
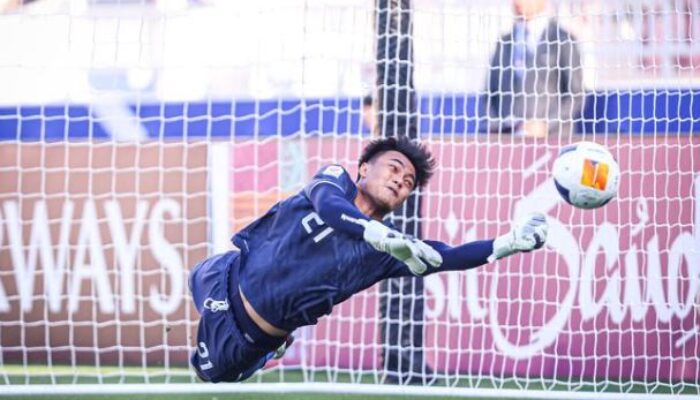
x: 136, y: 136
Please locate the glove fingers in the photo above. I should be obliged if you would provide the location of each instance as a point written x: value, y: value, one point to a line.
x: 426, y: 252
x: 413, y: 252
x: 399, y: 248
x: 537, y: 235
x: 430, y: 255
x: 539, y: 242
x: 434, y: 262
x: 416, y: 266
x: 540, y: 236
x: 537, y: 216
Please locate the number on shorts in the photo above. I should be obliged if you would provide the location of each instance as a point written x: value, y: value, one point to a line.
x: 203, y: 353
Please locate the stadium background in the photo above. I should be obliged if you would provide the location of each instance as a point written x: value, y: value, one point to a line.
x: 135, y: 136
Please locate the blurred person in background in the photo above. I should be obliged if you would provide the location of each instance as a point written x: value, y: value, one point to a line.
x: 369, y: 117
x: 535, y: 81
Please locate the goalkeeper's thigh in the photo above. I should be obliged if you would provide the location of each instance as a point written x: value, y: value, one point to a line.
x: 222, y: 353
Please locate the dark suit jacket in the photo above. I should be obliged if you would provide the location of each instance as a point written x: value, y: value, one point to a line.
x: 551, y: 87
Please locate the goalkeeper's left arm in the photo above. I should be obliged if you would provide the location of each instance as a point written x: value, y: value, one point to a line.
x: 529, y: 233
x: 340, y: 214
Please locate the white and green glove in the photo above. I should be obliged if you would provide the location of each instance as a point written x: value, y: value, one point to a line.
x: 416, y: 254
x: 528, y: 234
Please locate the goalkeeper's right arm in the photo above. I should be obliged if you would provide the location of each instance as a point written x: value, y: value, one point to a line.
x: 340, y: 214
x: 331, y: 205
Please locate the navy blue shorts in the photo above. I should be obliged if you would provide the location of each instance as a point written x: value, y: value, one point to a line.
x: 230, y: 347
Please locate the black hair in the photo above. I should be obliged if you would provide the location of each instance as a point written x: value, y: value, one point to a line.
x: 418, y: 154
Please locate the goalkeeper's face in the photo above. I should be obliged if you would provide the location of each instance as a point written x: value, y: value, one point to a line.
x: 387, y: 180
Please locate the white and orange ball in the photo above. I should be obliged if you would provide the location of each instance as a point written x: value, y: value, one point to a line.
x: 586, y: 175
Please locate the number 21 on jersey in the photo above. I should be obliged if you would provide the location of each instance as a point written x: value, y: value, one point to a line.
x: 311, y: 221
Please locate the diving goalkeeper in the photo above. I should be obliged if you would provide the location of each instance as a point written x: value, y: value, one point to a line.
x: 318, y: 248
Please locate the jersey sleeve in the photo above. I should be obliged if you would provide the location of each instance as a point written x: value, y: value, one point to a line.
x: 333, y: 175
x: 332, y: 194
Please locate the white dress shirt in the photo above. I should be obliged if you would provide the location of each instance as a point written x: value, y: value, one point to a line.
x: 536, y: 27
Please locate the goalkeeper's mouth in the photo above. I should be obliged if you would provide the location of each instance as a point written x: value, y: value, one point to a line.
x: 393, y: 191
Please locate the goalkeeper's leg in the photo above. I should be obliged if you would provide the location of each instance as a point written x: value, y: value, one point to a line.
x: 229, y: 347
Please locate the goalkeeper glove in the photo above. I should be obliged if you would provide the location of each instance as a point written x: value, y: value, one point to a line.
x: 414, y: 253
x: 411, y: 251
x: 528, y: 234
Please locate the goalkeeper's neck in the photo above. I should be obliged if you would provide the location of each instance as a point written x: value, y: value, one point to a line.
x: 368, y: 206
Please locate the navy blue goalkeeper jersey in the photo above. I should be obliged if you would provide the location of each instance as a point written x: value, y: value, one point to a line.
x: 295, y: 268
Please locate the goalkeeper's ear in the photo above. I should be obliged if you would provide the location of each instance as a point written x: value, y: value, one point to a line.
x: 361, y: 171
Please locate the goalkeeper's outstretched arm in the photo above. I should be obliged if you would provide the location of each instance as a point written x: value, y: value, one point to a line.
x: 465, y: 256
x: 333, y: 207
x: 529, y: 233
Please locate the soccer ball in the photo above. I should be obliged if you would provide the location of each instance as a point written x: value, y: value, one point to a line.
x: 586, y: 175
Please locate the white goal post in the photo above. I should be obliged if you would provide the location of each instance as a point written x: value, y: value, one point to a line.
x: 137, y: 136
